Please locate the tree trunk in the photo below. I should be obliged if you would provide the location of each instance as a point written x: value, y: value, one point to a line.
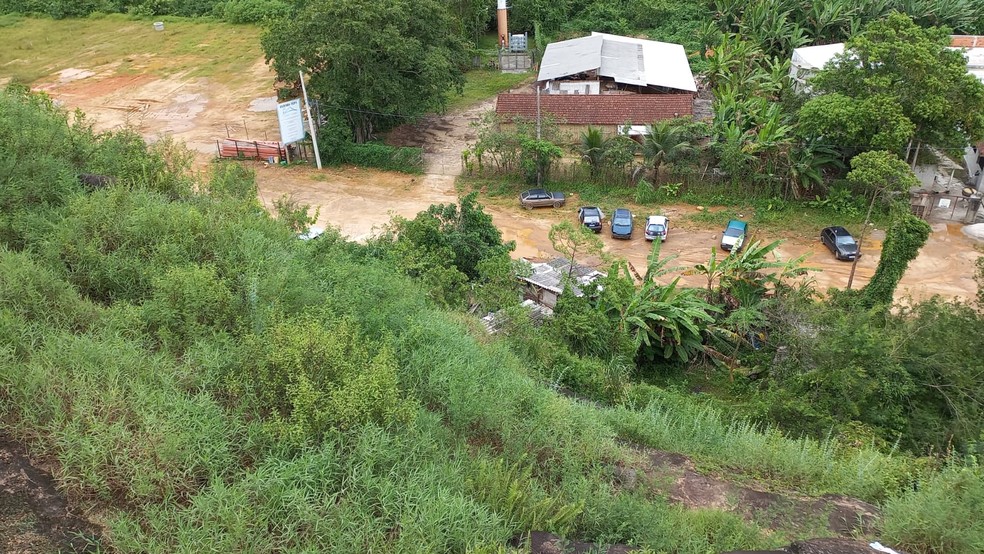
x: 854, y: 264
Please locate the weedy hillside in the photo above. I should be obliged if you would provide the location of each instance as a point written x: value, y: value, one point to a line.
x: 207, y: 381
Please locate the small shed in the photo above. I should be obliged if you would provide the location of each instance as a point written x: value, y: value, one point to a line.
x: 546, y: 283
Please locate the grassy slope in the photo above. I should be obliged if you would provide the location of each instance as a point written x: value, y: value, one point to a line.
x: 31, y: 49
x: 123, y: 419
x: 482, y: 84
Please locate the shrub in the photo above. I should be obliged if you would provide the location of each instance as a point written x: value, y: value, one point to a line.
x: 310, y: 377
x: 253, y: 11
x: 945, y: 514
x: 382, y: 156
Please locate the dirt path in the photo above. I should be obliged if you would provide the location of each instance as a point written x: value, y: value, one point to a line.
x: 34, y: 516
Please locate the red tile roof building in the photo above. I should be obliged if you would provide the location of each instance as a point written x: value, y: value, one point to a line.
x: 597, y: 109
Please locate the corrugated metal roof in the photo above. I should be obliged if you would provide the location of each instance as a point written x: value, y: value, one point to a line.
x: 570, y: 57
x: 625, y: 59
x: 815, y: 57
x: 550, y: 275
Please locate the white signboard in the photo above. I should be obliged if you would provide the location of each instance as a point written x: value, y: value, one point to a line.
x: 291, y: 122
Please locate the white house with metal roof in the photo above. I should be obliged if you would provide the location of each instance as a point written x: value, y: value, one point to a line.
x: 808, y: 60
x: 603, y: 63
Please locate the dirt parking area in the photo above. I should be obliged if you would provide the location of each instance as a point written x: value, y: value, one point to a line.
x: 359, y: 202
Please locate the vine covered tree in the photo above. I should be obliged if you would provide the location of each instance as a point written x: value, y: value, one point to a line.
x: 378, y: 63
x: 903, y: 240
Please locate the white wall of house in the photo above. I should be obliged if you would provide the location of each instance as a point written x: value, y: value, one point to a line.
x: 974, y: 161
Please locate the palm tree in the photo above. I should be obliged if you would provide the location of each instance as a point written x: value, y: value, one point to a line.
x: 666, y: 142
x: 592, y: 149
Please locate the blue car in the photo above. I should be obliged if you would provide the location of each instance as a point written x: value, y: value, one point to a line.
x: 622, y: 224
x: 734, y: 235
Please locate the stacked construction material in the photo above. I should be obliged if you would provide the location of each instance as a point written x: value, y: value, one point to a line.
x: 250, y: 149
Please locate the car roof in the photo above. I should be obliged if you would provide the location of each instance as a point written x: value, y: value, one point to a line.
x: 839, y: 231
x: 656, y: 219
x: 622, y: 211
x: 590, y: 208
x: 739, y: 224
x: 536, y: 191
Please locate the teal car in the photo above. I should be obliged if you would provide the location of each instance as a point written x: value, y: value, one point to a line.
x: 734, y: 235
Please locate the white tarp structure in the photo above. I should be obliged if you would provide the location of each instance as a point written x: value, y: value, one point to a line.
x: 810, y: 59
x: 625, y: 60
x: 806, y: 61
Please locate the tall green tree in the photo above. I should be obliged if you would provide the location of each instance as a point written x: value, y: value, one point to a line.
x: 666, y: 143
x: 574, y: 241
x: 592, y: 149
x: 377, y: 62
x: 912, y: 67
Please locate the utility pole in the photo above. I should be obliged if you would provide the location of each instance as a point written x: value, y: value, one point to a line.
x: 539, y: 165
x: 314, y: 134
x: 864, y: 229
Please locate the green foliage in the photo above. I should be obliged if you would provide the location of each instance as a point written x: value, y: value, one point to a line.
x: 465, y: 237
x: 944, y: 514
x: 536, y: 156
x: 839, y: 200
x: 373, y: 154
x: 945, y: 409
x: 223, y: 386
x: 511, y: 491
x: 856, y: 124
x: 666, y: 142
x: 662, y: 321
x: 252, y: 11
x: 592, y: 149
x: 574, y: 240
x: 903, y: 240
x: 311, y: 377
x: 372, y: 489
x: 38, y: 161
x: 893, y: 61
x: 678, y: 424
x: 375, y: 62
x: 187, y: 303
x: 293, y: 215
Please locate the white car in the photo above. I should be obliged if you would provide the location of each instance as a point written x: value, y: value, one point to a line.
x: 657, y: 226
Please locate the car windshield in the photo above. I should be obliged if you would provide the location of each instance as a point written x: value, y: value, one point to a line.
x: 847, y: 241
x: 733, y: 232
x: 655, y: 228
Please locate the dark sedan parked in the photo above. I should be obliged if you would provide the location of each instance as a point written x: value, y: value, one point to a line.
x: 622, y: 224
x: 539, y: 198
x: 840, y: 242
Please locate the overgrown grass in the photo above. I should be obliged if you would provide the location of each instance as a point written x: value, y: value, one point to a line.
x: 33, y: 48
x: 808, y: 465
x: 945, y: 514
x: 484, y: 84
